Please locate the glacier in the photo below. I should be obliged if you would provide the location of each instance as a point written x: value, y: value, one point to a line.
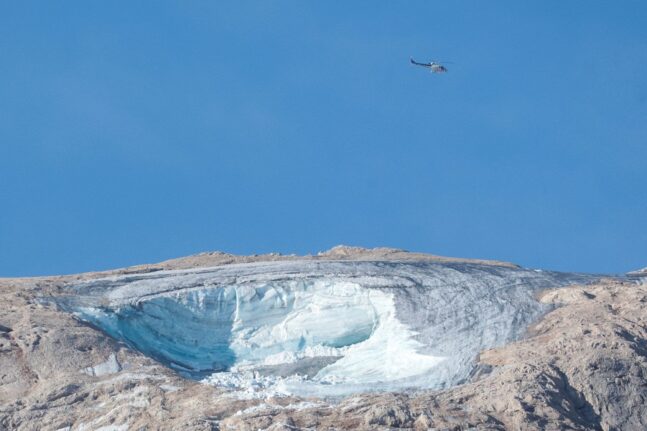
x: 319, y: 327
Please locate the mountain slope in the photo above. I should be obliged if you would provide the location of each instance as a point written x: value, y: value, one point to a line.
x: 582, y: 365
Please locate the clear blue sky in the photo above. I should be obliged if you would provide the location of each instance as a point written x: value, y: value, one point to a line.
x: 132, y: 132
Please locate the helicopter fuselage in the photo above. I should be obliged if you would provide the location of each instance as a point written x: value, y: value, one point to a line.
x: 433, y: 66
x: 437, y: 68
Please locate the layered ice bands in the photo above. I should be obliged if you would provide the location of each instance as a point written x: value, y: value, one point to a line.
x: 320, y: 328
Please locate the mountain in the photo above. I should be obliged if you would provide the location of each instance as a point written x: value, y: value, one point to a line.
x: 638, y: 273
x: 350, y: 338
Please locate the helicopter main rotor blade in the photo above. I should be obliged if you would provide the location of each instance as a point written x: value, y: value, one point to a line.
x: 419, y: 64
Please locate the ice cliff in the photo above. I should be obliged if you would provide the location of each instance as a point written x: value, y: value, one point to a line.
x: 319, y: 327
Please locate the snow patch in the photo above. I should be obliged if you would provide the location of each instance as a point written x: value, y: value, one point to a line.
x: 110, y: 366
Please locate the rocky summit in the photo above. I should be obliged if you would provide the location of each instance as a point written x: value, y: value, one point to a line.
x: 350, y: 338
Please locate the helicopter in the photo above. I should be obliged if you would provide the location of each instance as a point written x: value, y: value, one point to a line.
x: 432, y: 66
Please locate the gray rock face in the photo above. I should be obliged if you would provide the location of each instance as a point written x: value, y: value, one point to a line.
x: 581, y: 364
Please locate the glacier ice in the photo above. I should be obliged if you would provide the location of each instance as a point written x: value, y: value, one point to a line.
x: 319, y: 327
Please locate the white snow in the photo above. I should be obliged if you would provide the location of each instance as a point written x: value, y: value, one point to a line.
x: 123, y: 427
x: 170, y: 388
x: 110, y: 366
x: 92, y: 427
x: 391, y: 353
